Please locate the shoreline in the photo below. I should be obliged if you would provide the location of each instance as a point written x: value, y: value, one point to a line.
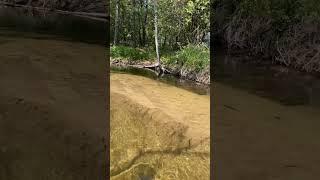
x: 202, y: 78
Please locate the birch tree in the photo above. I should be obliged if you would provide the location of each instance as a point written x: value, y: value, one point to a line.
x: 155, y: 4
x: 116, y: 26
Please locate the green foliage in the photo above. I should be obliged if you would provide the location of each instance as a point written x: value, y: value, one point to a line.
x: 179, y: 22
x: 310, y: 9
x: 282, y: 11
x: 183, y: 22
x: 283, y: 30
x: 196, y: 57
x: 193, y: 57
x: 129, y: 53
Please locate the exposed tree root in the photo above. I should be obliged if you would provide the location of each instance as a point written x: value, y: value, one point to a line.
x: 202, y: 77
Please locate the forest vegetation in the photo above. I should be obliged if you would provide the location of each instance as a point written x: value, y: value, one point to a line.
x: 286, y: 32
x: 179, y: 30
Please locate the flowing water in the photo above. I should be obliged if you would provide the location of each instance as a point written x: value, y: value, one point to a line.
x: 52, y: 109
x: 266, y: 121
x: 19, y: 22
x: 52, y: 103
x: 158, y: 130
x: 266, y: 118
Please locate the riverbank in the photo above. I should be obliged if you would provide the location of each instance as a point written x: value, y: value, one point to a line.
x: 285, y: 33
x: 190, y: 63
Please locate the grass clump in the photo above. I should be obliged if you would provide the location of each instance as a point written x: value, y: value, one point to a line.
x: 130, y: 53
x: 194, y: 57
x: 191, y: 62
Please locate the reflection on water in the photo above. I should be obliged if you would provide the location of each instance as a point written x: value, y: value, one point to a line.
x: 278, y: 83
x: 49, y: 92
x: 266, y: 121
x: 20, y: 23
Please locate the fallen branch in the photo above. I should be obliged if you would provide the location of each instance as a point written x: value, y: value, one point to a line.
x: 155, y: 68
x: 159, y: 68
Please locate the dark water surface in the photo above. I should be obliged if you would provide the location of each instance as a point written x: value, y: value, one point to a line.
x: 23, y: 24
x: 53, y: 119
x: 284, y: 85
x: 266, y: 120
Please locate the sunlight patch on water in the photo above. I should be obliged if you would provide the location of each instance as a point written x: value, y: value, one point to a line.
x: 152, y: 134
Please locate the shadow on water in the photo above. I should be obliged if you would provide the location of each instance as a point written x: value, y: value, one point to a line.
x: 284, y: 85
x: 38, y: 138
x: 21, y: 23
x: 168, y: 79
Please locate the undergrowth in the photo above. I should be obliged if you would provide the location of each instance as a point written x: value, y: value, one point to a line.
x: 284, y: 31
x: 130, y: 53
x: 195, y: 57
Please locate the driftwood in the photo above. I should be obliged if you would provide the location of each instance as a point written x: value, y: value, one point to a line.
x: 95, y: 16
x: 155, y: 68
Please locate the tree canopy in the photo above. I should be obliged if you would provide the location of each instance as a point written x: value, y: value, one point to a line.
x: 180, y: 22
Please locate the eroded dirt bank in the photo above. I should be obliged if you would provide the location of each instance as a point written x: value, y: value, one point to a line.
x: 52, y: 110
x: 158, y: 130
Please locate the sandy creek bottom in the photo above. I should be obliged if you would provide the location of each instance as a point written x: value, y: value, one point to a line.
x: 158, y: 131
x: 52, y: 109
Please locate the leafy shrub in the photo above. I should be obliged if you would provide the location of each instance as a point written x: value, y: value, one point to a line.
x: 195, y: 57
x: 129, y: 53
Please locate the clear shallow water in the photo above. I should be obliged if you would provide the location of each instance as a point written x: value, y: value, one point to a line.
x: 168, y: 79
x: 158, y: 129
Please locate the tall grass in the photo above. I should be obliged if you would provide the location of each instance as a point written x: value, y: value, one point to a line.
x: 131, y: 54
x: 195, y: 57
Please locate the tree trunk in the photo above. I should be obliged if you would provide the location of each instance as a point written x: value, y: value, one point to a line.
x: 156, y: 30
x: 30, y: 7
x: 164, y: 42
x: 116, y: 24
x: 144, y: 34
